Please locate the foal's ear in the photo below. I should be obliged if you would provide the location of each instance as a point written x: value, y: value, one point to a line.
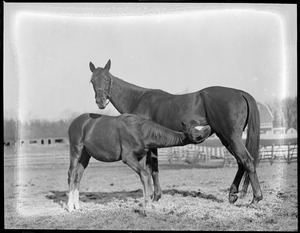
x: 184, y: 127
x: 107, y: 66
x: 92, y: 67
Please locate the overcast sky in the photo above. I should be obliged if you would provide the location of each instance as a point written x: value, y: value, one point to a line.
x: 178, y: 48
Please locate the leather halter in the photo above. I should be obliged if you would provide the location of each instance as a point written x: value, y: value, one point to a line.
x: 108, y: 94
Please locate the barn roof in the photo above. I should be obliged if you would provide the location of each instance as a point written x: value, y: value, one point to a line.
x: 265, y: 114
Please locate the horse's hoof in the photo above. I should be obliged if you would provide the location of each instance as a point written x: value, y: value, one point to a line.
x: 144, y: 213
x: 242, y: 194
x: 70, y: 208
x: 233, y: 198
x: 76, y: 207
x: 140, y: 212
x: 254, y: 205
x: 156, y: 197
x: 256, y: 200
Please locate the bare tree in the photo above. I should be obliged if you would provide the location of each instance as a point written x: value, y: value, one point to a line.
x: 290, y: 112
x: 284, y: 112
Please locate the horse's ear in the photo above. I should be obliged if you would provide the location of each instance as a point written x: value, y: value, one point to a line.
x: 107, y: 66
x: 92, y: 67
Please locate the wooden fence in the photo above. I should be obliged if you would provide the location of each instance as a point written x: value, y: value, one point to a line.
x: 279, y: 153
x: 190, y: 154
x: 274, y: 153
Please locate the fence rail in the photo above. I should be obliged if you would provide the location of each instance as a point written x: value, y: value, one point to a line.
x: 275, y: 153
x: 190, y: 154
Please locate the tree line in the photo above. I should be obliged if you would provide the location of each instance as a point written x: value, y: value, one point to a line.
x: 14, y: 130
x: 284, y: 113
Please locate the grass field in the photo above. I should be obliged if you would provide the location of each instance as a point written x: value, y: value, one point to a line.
x: 110, y: 197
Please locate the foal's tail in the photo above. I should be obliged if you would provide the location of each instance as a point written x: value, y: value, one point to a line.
x: 252, y: 141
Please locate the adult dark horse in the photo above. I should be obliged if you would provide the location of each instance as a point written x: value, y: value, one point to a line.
x: 227, y: 111
x: 126, y: 137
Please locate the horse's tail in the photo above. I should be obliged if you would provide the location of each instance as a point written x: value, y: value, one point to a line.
x: 253, y: 132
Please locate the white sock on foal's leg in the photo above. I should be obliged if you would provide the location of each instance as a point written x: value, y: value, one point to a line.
x: 76, y: 199
x: 71, y: 201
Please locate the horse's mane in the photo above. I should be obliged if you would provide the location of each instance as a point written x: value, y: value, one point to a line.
x: 151, y: 131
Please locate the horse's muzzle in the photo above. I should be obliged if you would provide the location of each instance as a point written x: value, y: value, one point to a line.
x: 101, y: 103
x: 100, y: 106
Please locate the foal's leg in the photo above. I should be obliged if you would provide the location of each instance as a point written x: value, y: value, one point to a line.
x: 83, y: 163
x: 153, y: 163
x: 75, y: 153
x: 131, y: 160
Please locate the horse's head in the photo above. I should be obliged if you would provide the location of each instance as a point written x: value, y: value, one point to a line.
x: 102, y: 84
x: 196, y: 134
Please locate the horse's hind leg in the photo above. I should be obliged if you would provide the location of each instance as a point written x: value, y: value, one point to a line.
x: 233, y: 193
x: 245, y: 185
x: 83, y: 163
x: 243, y: 157
x: 152, y: 162
x: 234, y: 188
x: 75, y: 153
x: 235, y: 184
x: 147, y: 166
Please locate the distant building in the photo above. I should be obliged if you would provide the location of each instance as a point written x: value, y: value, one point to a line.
x: 43, y: 141
x: 291, y: 131
x: 279, y: 130
x: 266, y: 119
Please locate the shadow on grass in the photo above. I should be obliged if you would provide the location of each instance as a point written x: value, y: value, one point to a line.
x: 96, y: 197
x: 192, y: 194
x: 105, y: 197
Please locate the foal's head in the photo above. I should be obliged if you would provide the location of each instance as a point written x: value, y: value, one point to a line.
x: 196, y: 134
x: 102, y: 84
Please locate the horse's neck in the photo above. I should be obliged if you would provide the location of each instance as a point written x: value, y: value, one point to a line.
x: 125, y: 95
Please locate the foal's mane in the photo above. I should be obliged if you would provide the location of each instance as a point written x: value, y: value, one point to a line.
x: 152, y: 131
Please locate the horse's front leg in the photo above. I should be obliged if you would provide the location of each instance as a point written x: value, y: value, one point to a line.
x: 75, y: 154
x: 152, y: 162
x: 131, y: 160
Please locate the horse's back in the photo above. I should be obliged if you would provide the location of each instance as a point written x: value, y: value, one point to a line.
x: 223, y: 93
x: 168, y: 109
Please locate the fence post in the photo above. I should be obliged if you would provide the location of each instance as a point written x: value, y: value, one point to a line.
x: 260, y: 154
x: 288, y: 157
x: 272, y: 154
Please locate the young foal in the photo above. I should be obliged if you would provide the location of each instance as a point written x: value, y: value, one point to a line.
x: 126, y: 137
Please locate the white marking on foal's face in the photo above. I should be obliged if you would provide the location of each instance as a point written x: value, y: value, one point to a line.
x: 199, y: 127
